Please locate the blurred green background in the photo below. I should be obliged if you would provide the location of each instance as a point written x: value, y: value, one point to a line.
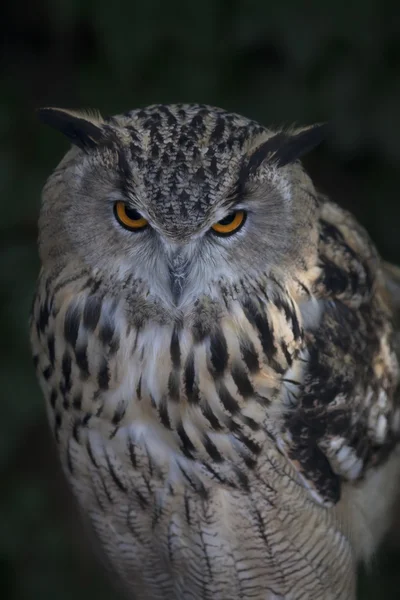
x: 276, y: 61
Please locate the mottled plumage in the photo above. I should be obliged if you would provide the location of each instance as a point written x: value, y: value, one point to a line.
x: 225, y: 408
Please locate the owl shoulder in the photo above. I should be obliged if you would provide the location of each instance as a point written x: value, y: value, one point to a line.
x: 347, y: 418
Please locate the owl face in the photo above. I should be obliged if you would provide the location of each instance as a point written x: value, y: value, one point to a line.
x: 175, y: 203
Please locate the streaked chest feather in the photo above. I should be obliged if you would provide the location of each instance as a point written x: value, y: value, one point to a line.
x: 204, y: 391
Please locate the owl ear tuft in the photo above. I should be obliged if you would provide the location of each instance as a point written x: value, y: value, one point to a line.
x: 83, y: 130
x: 284, y: 147
x: 299, y: 143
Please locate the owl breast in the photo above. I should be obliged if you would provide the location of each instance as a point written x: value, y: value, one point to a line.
x: 202, y: 382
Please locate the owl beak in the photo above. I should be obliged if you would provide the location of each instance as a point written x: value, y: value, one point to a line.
x: 178, y: 268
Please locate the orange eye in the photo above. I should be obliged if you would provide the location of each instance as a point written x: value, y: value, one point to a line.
x: 230, y: 224
x: 129, y: 217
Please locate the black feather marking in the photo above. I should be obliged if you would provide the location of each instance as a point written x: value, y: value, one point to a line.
x: 103, y: 377
x: 189, y: 375
x: 113, y: 432
x: 242, y: 381
x: 58, y: 420
x: 333, y: 277
x: 114, y: 344
x: 286, y: 353
x: 91, y: 312
x: 82, y: 360
x: 197, y: 485
x: 139, y: 389
x: 297, y: 331
x: 228, y: 401
x: 242, y: 478
x: 303, y: 286
x: 86, y: 419
x: 100, y: 409
x: 132, y: 453
x: 290, y: 315
x: 251, y: 423
x: 187, y: 445
x: 187, y: 508
x: 173, y: 386
x: 253, y: 446
x: 249, y: 461
x: 259, y: 320
x: 163, y: 412
x: 211, y: 449
x: 79, y: 130
x: 142, y: 499
x: 90, y: 454
x: 119, y: 413
x: 44, y: 315
x: 77, y: 401
x: 66, y: 371
x: 210, y: 416
x: 47, y: 372
x: 218, y: 131
x: 233, y: 426
x: 249, y: 355
x: 106, y: 332
x: 51, y: 348
x: 195, y: 395
x: 215, y: 474
x: 71, y: 323
x: 106, y: 491
x: 175, y: 349
x: 115, y: 475
x: 317, y: 469
x: 219, y: 352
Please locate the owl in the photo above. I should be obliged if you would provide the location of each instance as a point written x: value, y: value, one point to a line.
x: 216, y: 344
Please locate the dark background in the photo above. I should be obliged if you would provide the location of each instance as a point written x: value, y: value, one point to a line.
x: 276, y: 61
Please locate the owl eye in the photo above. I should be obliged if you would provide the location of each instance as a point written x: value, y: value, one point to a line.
x: 129, y: 217
x: 230, y: 224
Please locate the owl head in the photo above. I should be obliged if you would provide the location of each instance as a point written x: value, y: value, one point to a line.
x: 178, y: 201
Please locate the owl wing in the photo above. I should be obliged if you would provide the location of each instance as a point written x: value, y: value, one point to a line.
x: 347, y: 418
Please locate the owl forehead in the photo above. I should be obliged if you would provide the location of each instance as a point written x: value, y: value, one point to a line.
x: 185, y: 158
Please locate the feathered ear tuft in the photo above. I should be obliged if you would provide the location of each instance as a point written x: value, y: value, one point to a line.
x: 300, y: 143
x: 83, y: 130
x: 284, y: 148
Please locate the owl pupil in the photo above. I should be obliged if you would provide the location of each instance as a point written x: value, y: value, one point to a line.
x: 133, y: 214
x: 227, y: 220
